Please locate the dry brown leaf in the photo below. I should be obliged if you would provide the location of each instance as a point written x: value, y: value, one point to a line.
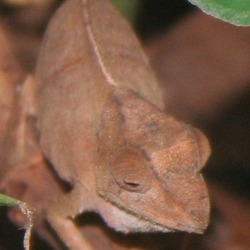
x: 232, y: 227
x: 203, y: 65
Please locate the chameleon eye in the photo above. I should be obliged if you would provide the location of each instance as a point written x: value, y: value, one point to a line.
x: 131, y: 171
x: 129, y: 182
x: 131, y: 186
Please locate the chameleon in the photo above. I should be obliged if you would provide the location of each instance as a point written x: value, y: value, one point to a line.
x: 99, y: 120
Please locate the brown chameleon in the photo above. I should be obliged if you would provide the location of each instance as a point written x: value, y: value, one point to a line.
x: 98, y: 119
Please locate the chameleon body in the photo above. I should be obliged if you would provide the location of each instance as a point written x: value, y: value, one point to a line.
x: 100, y: 123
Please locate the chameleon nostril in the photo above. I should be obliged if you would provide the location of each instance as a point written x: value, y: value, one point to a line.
x: 194, y: 212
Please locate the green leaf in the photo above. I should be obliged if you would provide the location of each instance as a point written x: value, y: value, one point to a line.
x: 128, y: 8
x: 8, y: 201
x: 234, y: 11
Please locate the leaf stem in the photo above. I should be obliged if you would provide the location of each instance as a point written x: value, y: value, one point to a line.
x: 27, y: 210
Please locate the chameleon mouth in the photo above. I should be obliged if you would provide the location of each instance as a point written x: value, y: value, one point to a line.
x: 129, y: 220
x: 154, y: 226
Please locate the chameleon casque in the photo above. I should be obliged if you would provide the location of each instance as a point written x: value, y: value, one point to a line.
x: 100, y: 123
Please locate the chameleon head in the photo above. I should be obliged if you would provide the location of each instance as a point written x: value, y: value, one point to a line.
x: 150, y: 165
